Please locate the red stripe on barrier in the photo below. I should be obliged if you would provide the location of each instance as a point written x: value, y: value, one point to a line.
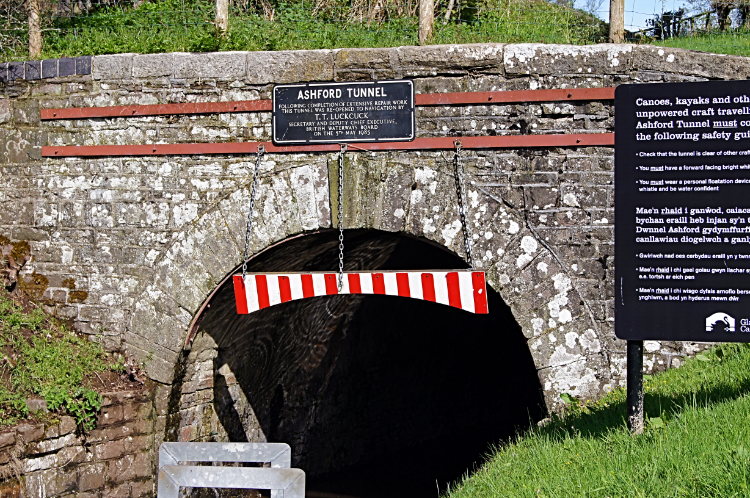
x: 307, y: 286
x: 285, y: 289
x: 480, y: 292
x: 428, y: 287
x: 378, y: 283
x: 239, y: 295
x: 454, y: 290
x: 402, y: 281
x: 332, y: 287
x: 355, y: 287
x: 262, y: 285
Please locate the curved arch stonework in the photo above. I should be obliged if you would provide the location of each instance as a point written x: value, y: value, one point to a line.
x: 129, y: 249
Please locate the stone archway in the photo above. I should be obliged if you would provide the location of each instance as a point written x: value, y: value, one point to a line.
x: 413, y: 194
x: 375, y: 394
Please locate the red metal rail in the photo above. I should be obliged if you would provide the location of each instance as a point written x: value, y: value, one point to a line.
x: 436, y: 143
x: 424, y: 99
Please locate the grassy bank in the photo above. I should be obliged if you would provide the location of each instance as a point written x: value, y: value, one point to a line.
x: 697, y: 441
x: 735, y: 42
x: 177, y: 25
x: 41, y: 358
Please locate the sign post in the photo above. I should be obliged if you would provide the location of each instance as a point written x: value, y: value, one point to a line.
x: 682, y: 218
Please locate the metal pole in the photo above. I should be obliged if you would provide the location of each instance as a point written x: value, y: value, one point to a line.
x: 635, y: 386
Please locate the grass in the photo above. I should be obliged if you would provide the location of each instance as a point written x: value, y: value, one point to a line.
x: 734, y: 42
x: 40, y: 357
x: 174, y: 25
x: 696, y: 442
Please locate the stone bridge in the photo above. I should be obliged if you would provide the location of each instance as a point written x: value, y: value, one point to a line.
x: 133, y: 250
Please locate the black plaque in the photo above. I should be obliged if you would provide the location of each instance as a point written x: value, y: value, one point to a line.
x: 370, y: 111
x: 682, y: 211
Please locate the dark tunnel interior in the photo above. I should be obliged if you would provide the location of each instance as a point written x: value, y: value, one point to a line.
x: 376, y: 395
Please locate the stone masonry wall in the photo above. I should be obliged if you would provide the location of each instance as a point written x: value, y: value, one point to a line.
x: 134, y: 246
x: 56, y: 459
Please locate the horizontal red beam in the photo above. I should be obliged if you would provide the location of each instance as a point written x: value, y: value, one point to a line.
x: 572, y: 94
x: 124, y: 111
x: 436, y: 143
x: 423, y: 99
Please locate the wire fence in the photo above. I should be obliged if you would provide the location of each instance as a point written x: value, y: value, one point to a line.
x: 92, y: 27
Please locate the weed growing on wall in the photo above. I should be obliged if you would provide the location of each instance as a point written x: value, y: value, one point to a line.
x: 40, y: 357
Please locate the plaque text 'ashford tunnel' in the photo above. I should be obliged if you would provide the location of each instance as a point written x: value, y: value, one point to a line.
x: 337, y: 112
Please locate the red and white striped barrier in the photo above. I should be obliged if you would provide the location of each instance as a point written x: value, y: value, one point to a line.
x: 463, y: 289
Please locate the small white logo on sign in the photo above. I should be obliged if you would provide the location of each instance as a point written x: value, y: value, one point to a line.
x: 720, y: 322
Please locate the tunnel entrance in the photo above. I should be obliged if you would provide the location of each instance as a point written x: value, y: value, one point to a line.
x: 376, y: 395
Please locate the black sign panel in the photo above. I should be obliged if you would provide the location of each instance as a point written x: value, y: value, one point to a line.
x: 682, y: 211
x: 369, y: 111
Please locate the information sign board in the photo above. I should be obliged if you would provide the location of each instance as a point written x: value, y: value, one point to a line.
x: 370, y: 111
x: 682, y: 211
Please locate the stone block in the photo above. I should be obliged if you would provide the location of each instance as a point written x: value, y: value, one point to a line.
x: 91, y: 476
x: 153, y: 65
x: 122, y: 469
x: 33, y: 70
x: 7, y: 439
x: 4, y: 72
x: 41, y: 463
x: 67, y: 425
x: 49, y: 445
x: 292, y: 66
x: 432, y: 60
x: 142, y: 488
x: 112, y: 67
x: 72, y: 455
x: 217, y: 65
x: 690, y: 62
x: 49, y: 68
x: 41, y: 484
x: 15, y: 71
x: 109, y: 450
x: 5, y: 111
x: 533, y: 58
x: 29, y: 433
x: 83, y: 65
x: 110, y: 415
x: 66, y: 66
x: 120, y: 491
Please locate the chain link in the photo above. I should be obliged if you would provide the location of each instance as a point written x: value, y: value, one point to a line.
x: 341, y: 216
x: 462, y: 200
x: 261, y: 150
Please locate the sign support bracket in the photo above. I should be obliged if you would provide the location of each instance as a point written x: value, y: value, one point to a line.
x: 634, y: 397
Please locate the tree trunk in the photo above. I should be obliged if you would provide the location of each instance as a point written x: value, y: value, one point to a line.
x: 35, y: 30
x: 222, y: 15
x: 616, y: 21
x: 426, y: 19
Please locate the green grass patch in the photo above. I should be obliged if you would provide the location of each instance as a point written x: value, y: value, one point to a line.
x: 176, y: 25
x: 41, y: 357
x: 696, y: 442
x: 731, y: 42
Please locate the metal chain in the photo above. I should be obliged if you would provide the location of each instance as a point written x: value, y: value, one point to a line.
x: 341, y: 216
x: 462, y: 200
x: 261, y: 150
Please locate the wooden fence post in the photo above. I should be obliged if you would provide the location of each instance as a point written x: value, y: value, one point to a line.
x: 426, y: 19
x: 35, y: 30
x: 616, y: 21
x: 222, y: 15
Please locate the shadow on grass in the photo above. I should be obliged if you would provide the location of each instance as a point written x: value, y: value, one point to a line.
x: 597, y: 421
